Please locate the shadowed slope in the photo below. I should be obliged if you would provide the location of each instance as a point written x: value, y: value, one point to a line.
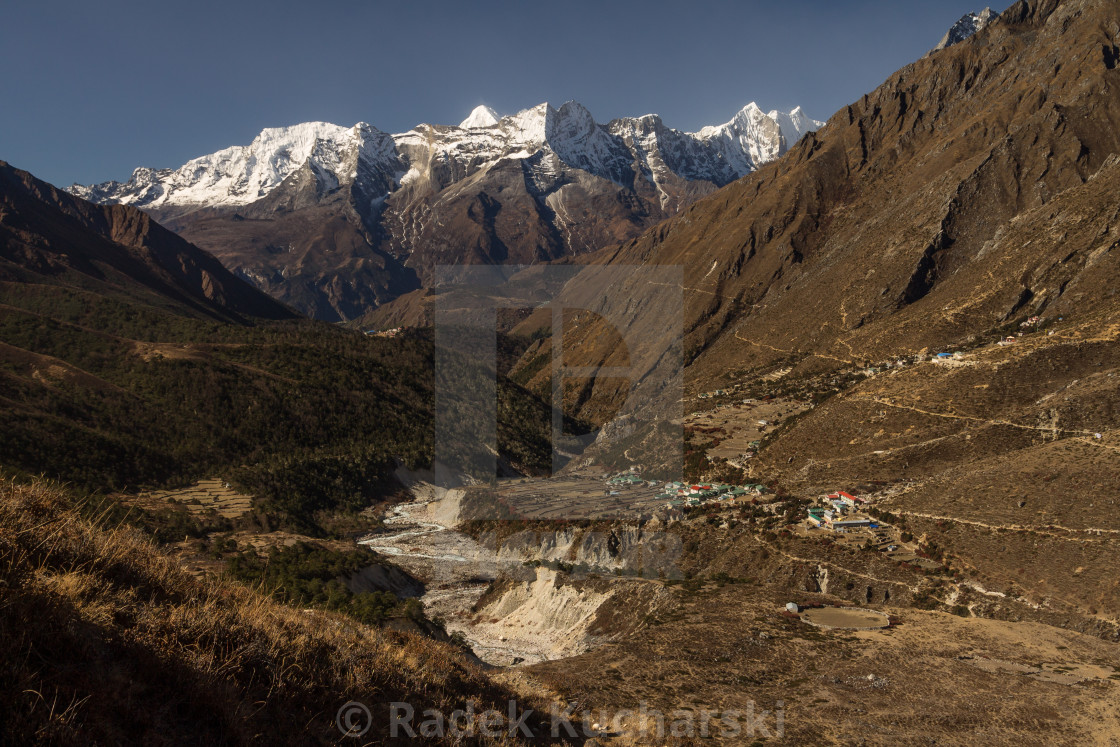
x: 106, y: 641
x: 49, y: 236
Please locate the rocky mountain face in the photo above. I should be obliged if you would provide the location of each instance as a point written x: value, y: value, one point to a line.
x: 969, y: 24
x: 337, y: 220
x: 49, y: 237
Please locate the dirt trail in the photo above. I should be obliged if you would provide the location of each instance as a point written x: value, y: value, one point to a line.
x: 784, y: 350
x: 829, y: 564
x: 972, y: 418
x: 1051, y: 530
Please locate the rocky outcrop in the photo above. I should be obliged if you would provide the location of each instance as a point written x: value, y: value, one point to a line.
x: 625, y: 548
x: 540, y: 614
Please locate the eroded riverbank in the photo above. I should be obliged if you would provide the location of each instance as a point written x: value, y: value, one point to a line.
x: 508, y: 612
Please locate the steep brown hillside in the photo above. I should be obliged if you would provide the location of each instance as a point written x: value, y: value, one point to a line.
x: 896, y: 227
x: 105, y: 641
x: 973, y: 191
x: 50, y: 237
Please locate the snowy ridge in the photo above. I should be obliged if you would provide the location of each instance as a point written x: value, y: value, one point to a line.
x: 482, y: 116
x: 753, y: 137
x: 795, y: 124
x: 969, y: 24
x: 237, y: 175
x: 377, y: 164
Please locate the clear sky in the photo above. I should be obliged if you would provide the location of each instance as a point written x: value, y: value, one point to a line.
x: 90, y: 90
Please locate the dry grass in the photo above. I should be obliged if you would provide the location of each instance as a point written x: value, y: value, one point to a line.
x: 105, y: 640
x: 933, y: 679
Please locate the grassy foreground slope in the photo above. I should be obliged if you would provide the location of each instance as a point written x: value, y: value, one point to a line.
x: 103, y: 640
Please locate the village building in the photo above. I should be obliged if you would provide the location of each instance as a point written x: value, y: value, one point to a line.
x: 852, y: 523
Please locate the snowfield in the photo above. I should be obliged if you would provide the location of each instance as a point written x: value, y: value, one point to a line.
x: 337, y: 156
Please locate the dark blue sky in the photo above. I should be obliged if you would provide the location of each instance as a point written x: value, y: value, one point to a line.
x: 89, y: 90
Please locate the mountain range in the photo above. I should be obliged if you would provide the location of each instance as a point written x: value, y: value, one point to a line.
x: 338, y: 220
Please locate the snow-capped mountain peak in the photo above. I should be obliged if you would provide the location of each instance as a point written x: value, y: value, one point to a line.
x: 481, y: 116
x: 969, y: 24
x: 236, y: 175
x: 539, y: 184
x: 753, y: 137
x: 240, y: 175
x: 529, y: 127
x: 795, y: 124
